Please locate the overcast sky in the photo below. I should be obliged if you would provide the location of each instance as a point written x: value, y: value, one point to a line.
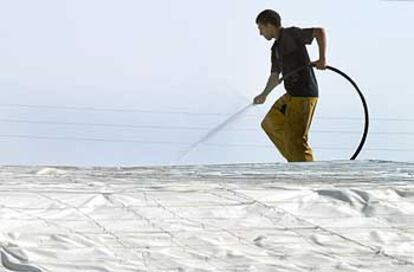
x: 137, y: 82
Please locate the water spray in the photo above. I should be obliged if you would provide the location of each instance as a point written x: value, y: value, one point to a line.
x: 214, y: 130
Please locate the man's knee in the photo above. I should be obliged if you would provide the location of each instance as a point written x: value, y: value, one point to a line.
x: 273, y: 130
x: 265, y: 124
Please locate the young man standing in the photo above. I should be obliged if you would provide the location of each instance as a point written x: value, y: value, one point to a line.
x: 288, y: 121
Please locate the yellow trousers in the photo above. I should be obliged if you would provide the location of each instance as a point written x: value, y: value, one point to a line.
x: 287, y: 125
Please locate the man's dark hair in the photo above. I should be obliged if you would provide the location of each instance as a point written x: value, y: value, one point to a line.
x: 269, y: 16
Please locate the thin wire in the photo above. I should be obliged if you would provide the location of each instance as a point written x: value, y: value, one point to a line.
x: 73, y: 108
x: 90, y: 139
x: 166, y: 127
x: 93, y: 109
x: 202, y: 205
x: 199, y: 245
x: 101, y: 124
x: 355, y: 229
x: 106, y: 140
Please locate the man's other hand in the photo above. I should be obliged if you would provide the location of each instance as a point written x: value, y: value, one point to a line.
x: 260, y: 99
x: 320, y: 64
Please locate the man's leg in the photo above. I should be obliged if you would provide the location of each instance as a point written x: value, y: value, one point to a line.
x: 274, y: 124
x: 299, y: 115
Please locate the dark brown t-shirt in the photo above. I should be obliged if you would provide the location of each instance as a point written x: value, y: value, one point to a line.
x: 289, y: 53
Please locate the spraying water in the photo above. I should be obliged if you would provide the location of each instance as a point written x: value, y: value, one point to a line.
x: 214, y: 130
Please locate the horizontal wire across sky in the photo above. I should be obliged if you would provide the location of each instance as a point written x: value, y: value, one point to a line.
x: 147, y: 111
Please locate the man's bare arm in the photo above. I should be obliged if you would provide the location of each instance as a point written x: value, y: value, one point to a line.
x: 320, y: 35
x: 272, y: 82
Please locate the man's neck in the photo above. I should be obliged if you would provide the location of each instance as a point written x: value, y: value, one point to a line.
x: 277, y: 33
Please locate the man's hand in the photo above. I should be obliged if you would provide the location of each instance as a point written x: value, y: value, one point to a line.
x: 320, y: 64
x: 260, y: 99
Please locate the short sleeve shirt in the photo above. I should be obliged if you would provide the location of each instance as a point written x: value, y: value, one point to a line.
x: 289, y: 53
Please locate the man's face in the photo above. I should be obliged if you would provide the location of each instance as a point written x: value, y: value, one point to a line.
x: 266, y: 30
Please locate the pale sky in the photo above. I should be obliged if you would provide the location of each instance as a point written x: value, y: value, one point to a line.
x: 137, y: 82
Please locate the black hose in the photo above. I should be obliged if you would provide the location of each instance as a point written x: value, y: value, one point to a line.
x: 364, y: 103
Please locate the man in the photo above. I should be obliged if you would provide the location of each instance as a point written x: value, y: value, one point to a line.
x: 288, y: 121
